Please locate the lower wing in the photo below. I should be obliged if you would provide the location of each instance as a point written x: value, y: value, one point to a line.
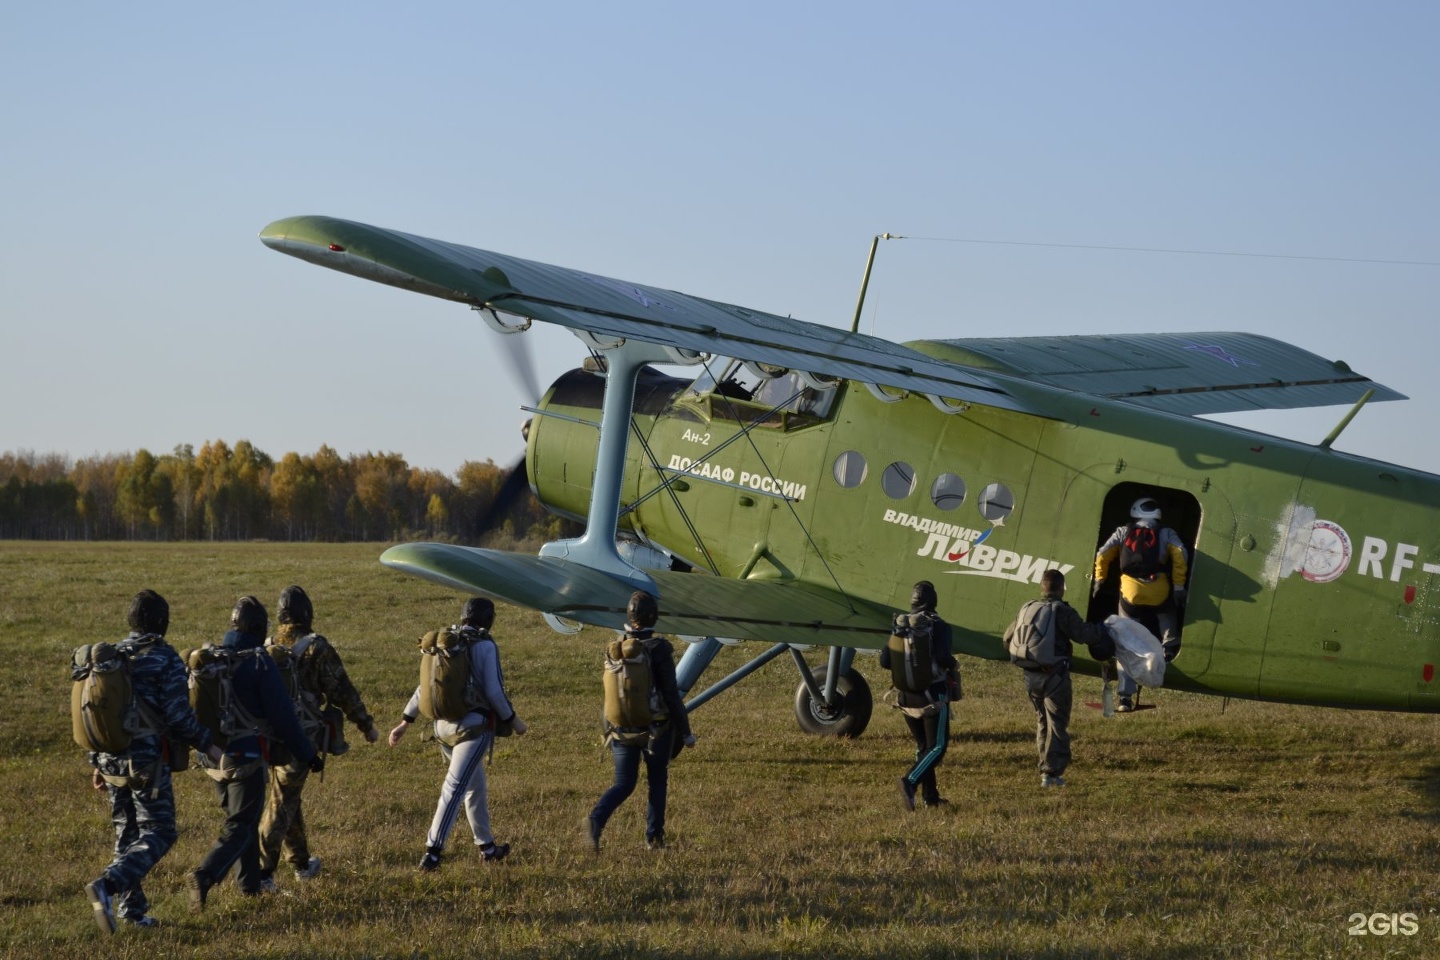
x: 773, y: 611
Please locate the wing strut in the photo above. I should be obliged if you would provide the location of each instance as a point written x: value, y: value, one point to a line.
x: 595, y: 548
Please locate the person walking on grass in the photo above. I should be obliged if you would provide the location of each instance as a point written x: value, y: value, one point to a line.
x: 644, y: 718
x: 323, y: 683
x: 925, y: 675
x: 142, y: 799
x: 1040, y: 643
x: 465, y: 731
x: 262, y: 713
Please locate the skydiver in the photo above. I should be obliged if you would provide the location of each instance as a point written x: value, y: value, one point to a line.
x: 263, y: 712
x: 321, y: 675
x: 658, y: 741
x: 1153, y: 568
x: 142, y: 799
x: 1049, y: 686
x: 922, y: 667
x: 464, y: 741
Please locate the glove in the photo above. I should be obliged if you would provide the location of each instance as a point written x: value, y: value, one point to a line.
x: 1179, y: 593
x: 317, y: 762
x: 1104, y: 648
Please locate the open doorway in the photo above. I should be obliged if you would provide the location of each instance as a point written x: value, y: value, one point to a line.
x: 1179, y: 510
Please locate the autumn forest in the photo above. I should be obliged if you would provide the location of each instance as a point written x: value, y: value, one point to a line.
x: 222, y: 492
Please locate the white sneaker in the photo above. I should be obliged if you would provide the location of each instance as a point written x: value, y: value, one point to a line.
x: 101, y: 905
x: 310, y: 871
x: 268, y: 885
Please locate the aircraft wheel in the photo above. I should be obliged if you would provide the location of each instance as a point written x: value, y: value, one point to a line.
x: 847, y: 718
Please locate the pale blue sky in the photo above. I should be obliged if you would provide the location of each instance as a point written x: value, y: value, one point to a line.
x: 745, y: 152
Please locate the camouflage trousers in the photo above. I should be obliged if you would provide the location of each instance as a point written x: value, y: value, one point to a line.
x: 144, y: 832
x: 282, y: 826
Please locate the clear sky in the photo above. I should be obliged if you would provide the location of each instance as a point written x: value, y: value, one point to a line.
x: 745, y: 152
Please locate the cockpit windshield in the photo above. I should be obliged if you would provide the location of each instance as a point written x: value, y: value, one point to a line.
x: 789, y: 392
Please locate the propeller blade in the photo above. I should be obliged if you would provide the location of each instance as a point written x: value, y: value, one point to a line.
x: 522, y: 366
x: 512, y: 490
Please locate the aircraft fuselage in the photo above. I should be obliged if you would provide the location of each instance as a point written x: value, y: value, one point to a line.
x: 1313, y: 573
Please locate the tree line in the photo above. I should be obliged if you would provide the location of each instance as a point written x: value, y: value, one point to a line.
x: 241, y: 493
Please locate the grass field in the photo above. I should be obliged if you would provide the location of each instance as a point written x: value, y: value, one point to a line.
x: 1198, y: 829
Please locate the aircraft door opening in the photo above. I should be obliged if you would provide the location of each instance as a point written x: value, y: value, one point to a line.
x: 1180, y: 511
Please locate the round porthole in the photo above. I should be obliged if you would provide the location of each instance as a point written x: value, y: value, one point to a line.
x: 948, y: 491
x: 850, y: 469
x: 898, y: 480
x: 996, y: 502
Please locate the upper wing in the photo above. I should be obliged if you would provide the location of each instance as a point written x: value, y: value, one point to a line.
x: 1177, y: 373
x: 774, y: 611
x: 615, y: 308
x: 1189, y: 373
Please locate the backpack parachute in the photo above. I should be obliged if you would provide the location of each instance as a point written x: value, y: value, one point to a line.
x: 1032, y: 641
x: 446, y: 690
x: 212, y: 692
x: 1140, y: 554
x: 105, y: 714
x: 632, y: 706
x: 912, y: 653
x: 319, y: 722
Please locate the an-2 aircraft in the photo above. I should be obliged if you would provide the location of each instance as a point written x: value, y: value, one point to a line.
x: 794, y: 490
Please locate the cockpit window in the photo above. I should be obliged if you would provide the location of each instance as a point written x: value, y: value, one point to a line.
x: 706, y: 381
x: 739, y: 385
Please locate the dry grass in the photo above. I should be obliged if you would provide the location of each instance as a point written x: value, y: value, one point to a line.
x: 1187, y: 831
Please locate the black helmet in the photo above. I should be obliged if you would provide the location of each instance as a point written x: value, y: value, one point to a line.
x: 295, y: 607
x: 249, y: 616
x: 479, y: 612
x: 923, y: 596
x: 149, y: 613
x: 642, y: 611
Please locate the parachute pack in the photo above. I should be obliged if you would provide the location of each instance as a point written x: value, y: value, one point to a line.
x: 1032, y: 642
x: 446, y: 688
x: 1140, y: 554
x: 632, y: 704
x: 912, y: 653
x: 105, y: 714
x: 212, y: 692
x: 322, y: 724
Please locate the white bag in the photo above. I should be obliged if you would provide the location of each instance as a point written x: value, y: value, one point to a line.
x: 1138, y: 651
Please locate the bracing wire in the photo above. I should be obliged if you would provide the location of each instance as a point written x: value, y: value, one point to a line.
x: 1177, y: 250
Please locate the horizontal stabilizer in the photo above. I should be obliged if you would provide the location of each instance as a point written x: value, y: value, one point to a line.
x: 691, y: 604
x: 1187, y: 373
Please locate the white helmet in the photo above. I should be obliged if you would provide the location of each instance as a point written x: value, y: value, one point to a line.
x: 1145, y: 509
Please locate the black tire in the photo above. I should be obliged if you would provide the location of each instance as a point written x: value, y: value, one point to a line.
x: 851, y: 713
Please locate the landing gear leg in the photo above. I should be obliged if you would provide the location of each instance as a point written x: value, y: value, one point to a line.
x: 833, y: 700
x: 693, y: 662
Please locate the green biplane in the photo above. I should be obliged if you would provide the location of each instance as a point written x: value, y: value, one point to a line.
x: 794, y: 489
